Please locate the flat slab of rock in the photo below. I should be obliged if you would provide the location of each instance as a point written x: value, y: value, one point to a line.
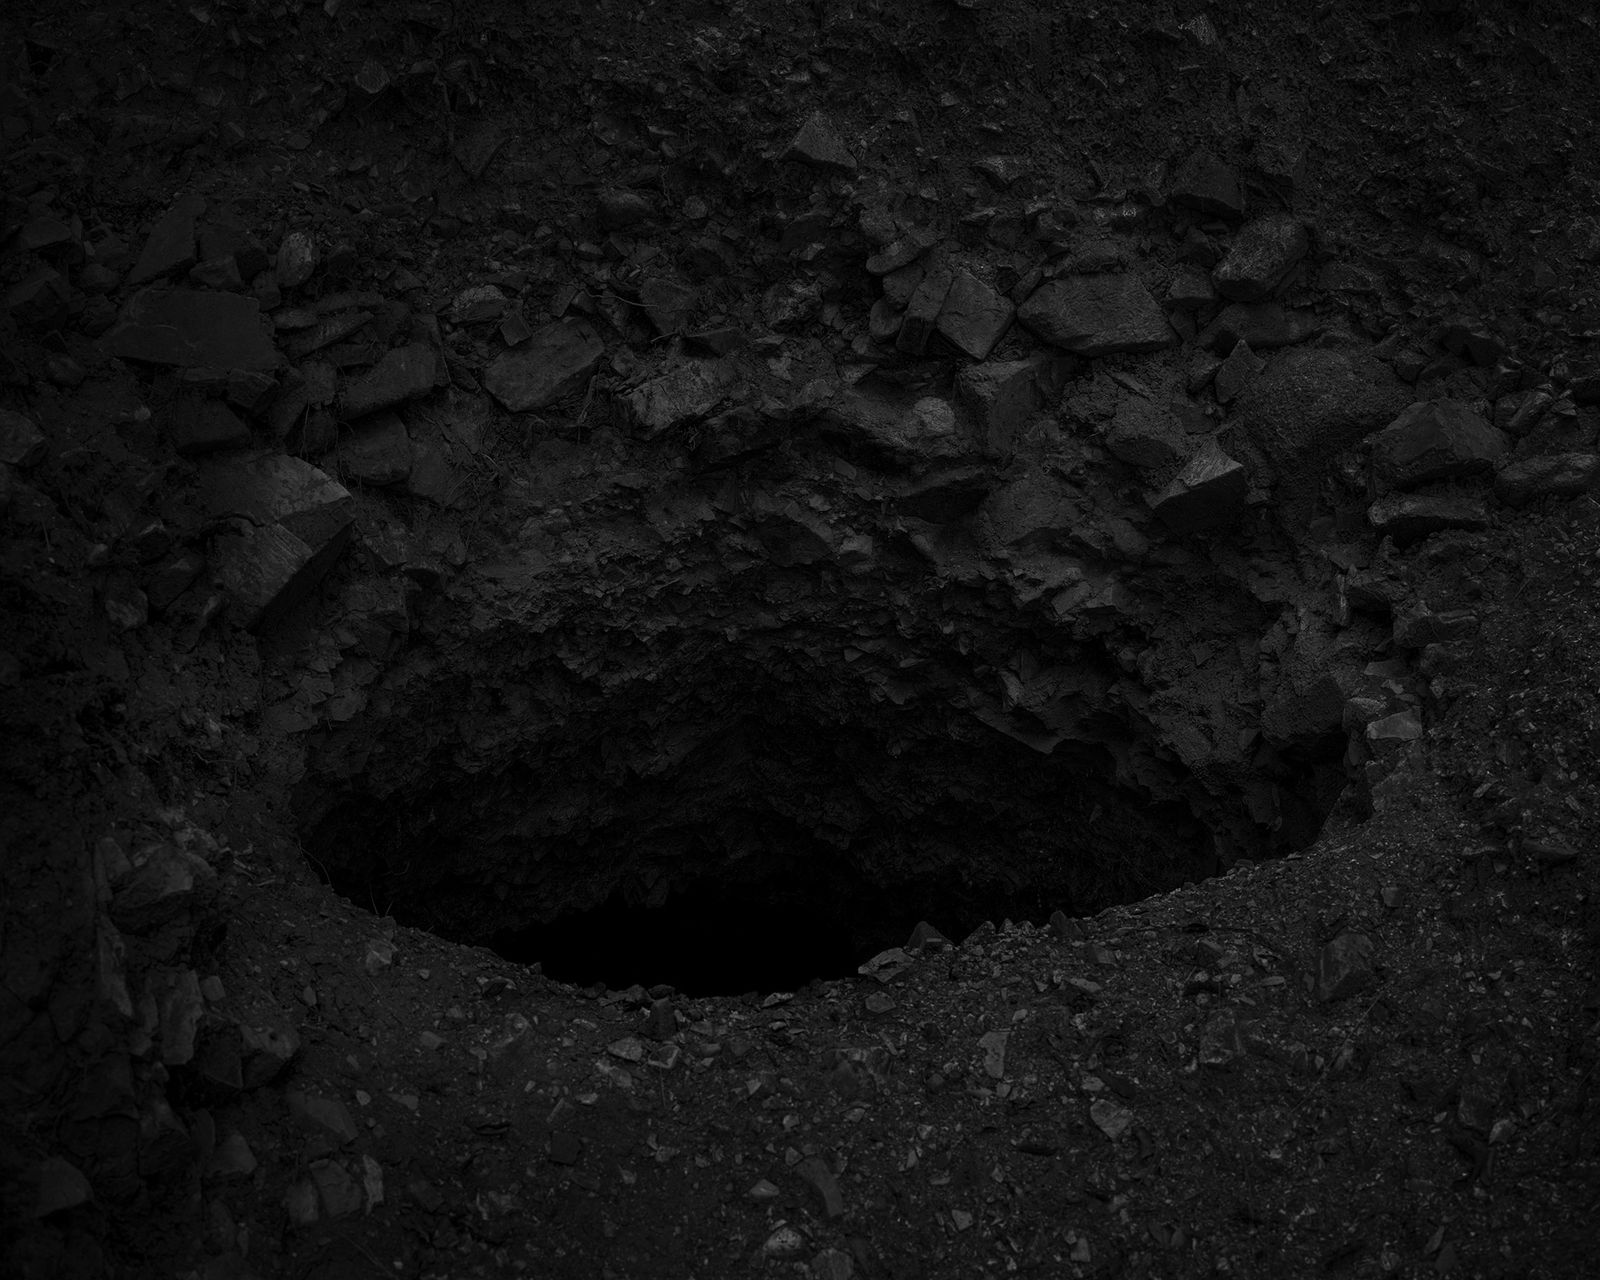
x: 266, y: 571
x: 193, y: 329
x: 684, y: 393
x: 1435, y: 440
x: 269, y: 488
x: 898, y: 430
x: 197, y: 426
x: 1209, y: 493
x: 1264, y: 325
x: 974, y: 317
x: 1144, y: 434
x: 1097, y: 315
x: 553, y: 364
x: 1553, y: 475
x: 170, y: 247
x: 923, y: 310
x: 404, y: 374
x: 1261, y: 258
x: 1406, y: 517
x: 818, y: 144
x: 376, y: 452
x: 1205, y: 183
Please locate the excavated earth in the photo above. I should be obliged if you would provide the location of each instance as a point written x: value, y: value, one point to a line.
x: 716, y: 639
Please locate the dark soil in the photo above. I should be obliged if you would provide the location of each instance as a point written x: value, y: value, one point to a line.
x: 917, y: 752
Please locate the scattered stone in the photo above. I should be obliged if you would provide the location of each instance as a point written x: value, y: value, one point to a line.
x: 629, y: 1049
x: 377, y: 452
x: 59, y: 1185
x: 170, y: 884
x: 900, y: 253
x: 41, y: 300
x: 1261, y: 258
x: 1555, y: 475
x: 993, y: 1044
x: 199, y: 426
x: 883, y: 322
x: 22, y: 444
x: 669, y: 304
x: 1209, y: 493
x: 404, y: 374
x: 974, y: 317
x: 1344, y: 967
x: 179, y: 1008
x: 1402, y: 726
x: 231, y: 1161
x: 785, y: 1242
x: 1190, y: 289
x: 833, y: 1264
x: 814, y: 1170
x: 1097, y: 315
x: 1207, y: 184
x: 686, y: 392
x: 556, y: 362
x: 922, y: 312
x: 1237, y: 372
x: 1406, y: 517
x: 1002, y: 171
x: 1111, y: 1118
x: 1434, y: 440
x: 1144, y: 434
x: 1264, y: 325
x: 337, y: 1191
x: 565, y: 1148
x: 266, y: 1052
x: 170, y: 247
x: 620, y: 210
x: 329, y: 1114
x: 896, y: 429
x: 297, y: 259
x: 1001, y: 396
x: 192, y: 329
x: 300, y: 1203
x: 432, y: 476
x: 818, y: 144
x: 927, y: 938
x: 1416, y: 626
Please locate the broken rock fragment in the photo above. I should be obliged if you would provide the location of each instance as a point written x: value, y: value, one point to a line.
x: 974, y: 317
x: 404, y: 374
x: 170, y: 247
x: 193, y: 329
x: 554, y: 363
x: 1096, y: 315
x: 818, y: 144
x: 1261, y: 258
x: 1406, y: 517
x: 1434, y: 440
x: 1208, y: 185
x: 377, y: 451
x: 1002, y: 395
x: 687, y: 392
x: 1208, y: 494
x: 1556, y: 475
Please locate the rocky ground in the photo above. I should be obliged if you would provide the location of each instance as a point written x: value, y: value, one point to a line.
x: 731, y: 638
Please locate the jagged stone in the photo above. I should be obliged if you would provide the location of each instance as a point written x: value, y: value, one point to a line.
x: 1264, y: 325
x: 1406, y: 517
x: 1207, y: 184
x: 897, y: 429
x: 900, y: 253
x: 1261, y: 258
x: 555, y: 363
x: 686, y: 392
x: 1555, y: 475
x: 1001, y: 396
x: 22, y: 444
x: 193, y: 329
x: 974, y: 317
x: 198, y: 426
x: 403, y: 374
x: 1434, y: 440
x: 1209, y: 493
x: 1237, y: 372
x: 669, y: 304
x: 167, y: 886
x: 170, y: 246
x: 1143, y: 434
x: 818, y: 144
x: 1097, y: 315
x: 377, y: 451
x: 922, y: 311
x: 1344, y: 967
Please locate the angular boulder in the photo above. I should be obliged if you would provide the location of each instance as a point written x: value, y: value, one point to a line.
x: 1096, y: 315
x: 404, y: 374
x: 818, y: 144
x: 1209, y: 493
x: 1143, y: 434
x: 1407, y: 517
x: 1261, y: 258
x: 376, y: 452
x: 974, y: 317
x: 553, y: 364
x: 1264, y: 325
x: 684, y: 393
x: 1208, y: 185
x: 193, y: 329
x: 1435, y: 440
x: 897, y: 430
x: 1002, y: 395
x: 1552, y: 475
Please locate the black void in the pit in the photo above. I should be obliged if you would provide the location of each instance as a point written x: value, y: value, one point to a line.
x: 977, y: 831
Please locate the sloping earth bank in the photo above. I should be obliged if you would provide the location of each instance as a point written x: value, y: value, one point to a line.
x: 685, y: 493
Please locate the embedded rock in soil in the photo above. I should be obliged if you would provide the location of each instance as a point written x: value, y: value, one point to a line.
x: 1096, y: 315
x: 1208, y: 494
x: 1561, y: 475
x: 553, y: 364
x: 1261, y: 258
x: 192, y: 329
x: 1434, y: 440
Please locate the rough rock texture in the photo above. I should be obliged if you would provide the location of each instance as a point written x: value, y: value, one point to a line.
x: 1434, y: 440
x: 1096, y: 315
x: 1261, y: 258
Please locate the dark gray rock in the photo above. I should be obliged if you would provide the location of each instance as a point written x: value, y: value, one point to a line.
x: 404, y: 374
x: 974, y: 317
x: 1345, y: 967
x: 1434, y: 440
x: 897, y: 429
x: 191, y: 329
x: 377, y: 451
x: 297, y: 259
x: 170, y: 247
x: 619, y: 210
x: 1237, y: 372
x: 1407, y: 517
x: 818, y: 144
x: 669, y: 304
x: 1207, y: 184
x: 555, y: 363
x: 1261, y: 258
x: 686, y: 392
x: 199, y: 426
x: 922, y: 311
x: 1001, y: 396
x: 1145, y: 434
x: 1264, y: 325
x: 1209, y: 493
x: 1554, y: 475
x: 1097, y: 315
x: 22, y: 444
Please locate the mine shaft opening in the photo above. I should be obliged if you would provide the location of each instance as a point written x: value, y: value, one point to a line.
x: 786, y: 843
